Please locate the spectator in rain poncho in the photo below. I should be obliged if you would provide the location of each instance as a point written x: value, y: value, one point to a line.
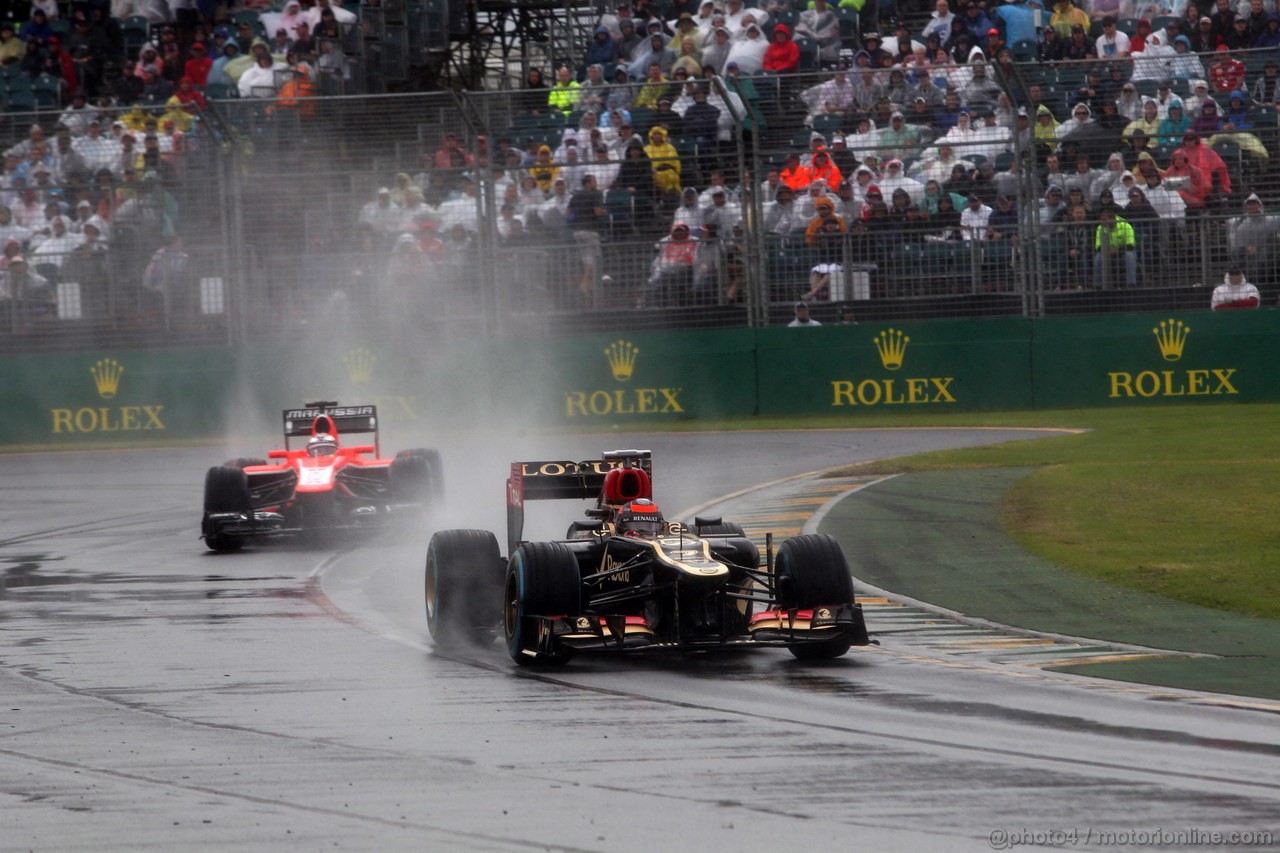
x: 821, y: 25
x: 1172, y: 128
x: 748, y: 50
x: 544, y: 170
x: 716, y: 48
x: 941, y: 161
x: 622, y: 94
x: 655, y: 51
x: 1155, y: 60
x: 665, y: 159
x: 1046, y: 130
x: 1166, y: 202
x: 1148, y: 122
x: 1080, y: 117
x: 1208, y: 161
x: 1207, y: 122
x: 1108, y: 179
x: 933, y: 195
x: 1185, y: 65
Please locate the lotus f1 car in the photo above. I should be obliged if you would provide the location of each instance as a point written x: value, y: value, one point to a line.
x: 627, y: 580
x: 323, y: 485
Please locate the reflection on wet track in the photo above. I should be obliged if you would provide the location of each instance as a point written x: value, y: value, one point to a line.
x: 162, y: 697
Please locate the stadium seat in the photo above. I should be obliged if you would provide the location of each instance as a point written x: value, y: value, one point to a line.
x: 47, y: 90
x: 827, y: 125
x: 1025, y: 49
x: 20, y: 101
x: 220, y: 91
x: 136, y: 30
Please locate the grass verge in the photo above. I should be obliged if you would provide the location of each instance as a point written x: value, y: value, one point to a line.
x: 1176, y: 502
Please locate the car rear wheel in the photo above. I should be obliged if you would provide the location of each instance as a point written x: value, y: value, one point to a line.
x: 463, y: 586
x: 542, y: 580
x: 811, y: 571
x: 226, y: 489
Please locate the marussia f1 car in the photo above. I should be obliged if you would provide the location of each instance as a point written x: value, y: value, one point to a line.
x: 321, y: 486
x: 625, y: 579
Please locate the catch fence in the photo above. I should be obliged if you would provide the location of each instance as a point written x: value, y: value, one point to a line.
x: 278, y: 205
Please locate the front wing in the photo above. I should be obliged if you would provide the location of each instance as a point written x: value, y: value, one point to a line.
x: 775, y: 628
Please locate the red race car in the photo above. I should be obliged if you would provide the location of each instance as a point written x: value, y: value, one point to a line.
x: 322, y: 486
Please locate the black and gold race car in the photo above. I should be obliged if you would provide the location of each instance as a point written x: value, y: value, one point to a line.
x: 627, y: 580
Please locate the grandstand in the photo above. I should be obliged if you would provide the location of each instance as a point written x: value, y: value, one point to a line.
x: 259, y: 197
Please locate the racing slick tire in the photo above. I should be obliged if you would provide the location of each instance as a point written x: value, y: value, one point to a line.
x: 244, y: 462
x: 542, y: 580
x: 410, y: 479
x: 226, y: 489
x: 464, y: 577
x: 435, y: 469
x: 811, y: 571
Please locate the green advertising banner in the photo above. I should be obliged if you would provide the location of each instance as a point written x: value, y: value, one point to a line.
x: 588, y: 380
x: 638, y: 377
x: 1145, y: 359
x: 921, y: 366
x: 127, y: 396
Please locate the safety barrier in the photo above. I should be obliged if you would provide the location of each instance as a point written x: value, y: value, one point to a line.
x: 640, y: 377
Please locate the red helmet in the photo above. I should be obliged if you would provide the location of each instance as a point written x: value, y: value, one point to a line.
x: 640, y: 518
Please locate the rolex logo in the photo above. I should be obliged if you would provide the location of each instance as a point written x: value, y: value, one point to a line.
x: 1171, y: 337
x: 622, y: 359
x: 892, y: 345
x: 106, y: 376
x: 360, y: 362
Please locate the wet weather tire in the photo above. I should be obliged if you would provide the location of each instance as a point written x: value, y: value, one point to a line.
x: 226, y: 489
x: 464, y: 579
x: 435, y: 470
x: 410, y: 479
x: 811, y: 571
x: 542, y: 580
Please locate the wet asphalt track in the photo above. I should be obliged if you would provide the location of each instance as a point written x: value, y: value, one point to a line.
x: 154, y: 696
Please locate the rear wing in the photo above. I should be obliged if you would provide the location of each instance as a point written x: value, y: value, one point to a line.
x: 328, y: 417
x: 563, y: 480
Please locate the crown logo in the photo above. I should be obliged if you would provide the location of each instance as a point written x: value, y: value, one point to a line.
x: 106, y: 376
x: 360, y: 362
x: 892, y: 346
x: 1171, y: 337
x: 622, y: 359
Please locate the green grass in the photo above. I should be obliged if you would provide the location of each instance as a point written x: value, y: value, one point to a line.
x: 1181, y: 502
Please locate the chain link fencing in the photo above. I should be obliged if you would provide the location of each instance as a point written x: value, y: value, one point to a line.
x: 454, y: 213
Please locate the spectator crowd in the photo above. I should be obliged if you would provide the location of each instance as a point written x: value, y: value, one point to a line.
x: 1124, y: 137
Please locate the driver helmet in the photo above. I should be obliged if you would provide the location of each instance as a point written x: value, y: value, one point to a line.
x: 640, y: 518
x: 322, y: 444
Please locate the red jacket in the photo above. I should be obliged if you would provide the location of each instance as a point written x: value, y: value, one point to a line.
x: 782, y: 56
x: 198, y: 71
